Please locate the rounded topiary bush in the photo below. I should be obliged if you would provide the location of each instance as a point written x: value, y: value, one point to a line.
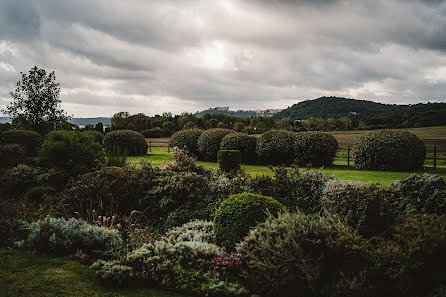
x: 133, y: 142
x: 242, y: 142
x: 391, y: 150
x: 308, y: 254
x: 229, y: 160
x: 30, y: 140
x: 315, y: 148
x: 209, y: 142
x: 98, y: 136
x: 276, y: 147
x: 237, y: 214
x: 186, y: 139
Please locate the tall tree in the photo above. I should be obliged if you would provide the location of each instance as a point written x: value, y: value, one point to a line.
x: 35, y: 102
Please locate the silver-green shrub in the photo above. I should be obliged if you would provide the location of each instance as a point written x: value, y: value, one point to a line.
x: 59, y: 236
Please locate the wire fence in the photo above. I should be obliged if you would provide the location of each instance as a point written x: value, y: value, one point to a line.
x: 344, y: 156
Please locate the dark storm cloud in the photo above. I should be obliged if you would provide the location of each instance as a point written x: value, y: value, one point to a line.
x: 178, y: 55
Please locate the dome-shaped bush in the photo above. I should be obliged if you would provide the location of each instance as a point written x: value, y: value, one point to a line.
x: 241, y: 142
x: 132, y: 141
x: 209, y: 142
x: 30, y: 140
x: 186, y: 139
x: 237, y: 214
x: 276, y: 147
x: 391, y: 150
x: 98, y: 136
x: 315, y: 148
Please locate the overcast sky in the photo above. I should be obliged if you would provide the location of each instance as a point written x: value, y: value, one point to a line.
x: 186, y: 55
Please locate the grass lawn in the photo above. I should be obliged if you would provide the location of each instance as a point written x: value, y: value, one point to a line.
x: 159, y: 155
x: 23, y: 274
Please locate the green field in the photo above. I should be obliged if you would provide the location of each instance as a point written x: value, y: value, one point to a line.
x: 23, y: 274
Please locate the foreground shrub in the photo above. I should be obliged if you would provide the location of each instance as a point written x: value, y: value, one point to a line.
x: 308, y: 254
x: 276, y: 147
x: 209, y: 142
x: 98, y: 136
x: 186, y: 139
x: 29, y: 140
x: 412, y: 262
x: 60, y: 236
x: 116, y: 156
x: 183, y: 163
x: 12, y: 230
x: 241, y: 142
x: 195, y: 231
x: 14, y: 182
x: 391, y: 150
x: 37, y: 194
x: 315, y: 148
x: 294, y: 188
x: 11, y: 155
x: 418, y: 194
x: 176, y: 261
x: 132, y: 141
x: 237, y: 214
x: 363, y: 206
x: 73, y: 152
x: 229, y: 160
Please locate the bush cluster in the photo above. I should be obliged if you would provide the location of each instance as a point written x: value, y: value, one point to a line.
x: 209, y: 142
x: 12, y: 230
x: 132, y: 141
x: 37, y: 194
x: 276, y: 147
x: 11, y: 155
x: 229, y: 160
x: 15, y: 181
x: 29, y: 140
x: 391, y: 150
x: 315, y: 148
x: 98, y: 136
x: 156, y: 132
x: 186, y: 139
x: 242, y: 142
x: 237, y: 214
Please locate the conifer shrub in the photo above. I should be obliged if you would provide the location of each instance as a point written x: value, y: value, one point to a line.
x: 242, y: 142
x: 315, y: 148
x: 133, y: 142
x: 229, y: 160
x: 209, y: 142
x: 276, y: 147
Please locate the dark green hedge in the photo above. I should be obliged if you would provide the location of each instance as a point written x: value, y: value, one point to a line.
x: 276, y: 147
x: 209, y: 142
x: 315, y: 148
x: 98, y: 136
x: 132, y: 141
x: 30, y: 140
x: 237, y: 214
x: 242, y: 142
x: 229, y: 160
x: 186, y: 139
x: 11, y: 155
x: 391, y: 150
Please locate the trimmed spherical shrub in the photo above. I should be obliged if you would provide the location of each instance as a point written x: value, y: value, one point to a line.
x: 391, y: 150
x: 242, y: 142
x: 186, y: 139
x: 98, y: 136
x: 11, y: 155
x: 132, y: 141
x: 276, y: 147
x: 364, y: 207
x: 229, y: 160
x: 237, y: 214
x: 296, y: 254
x: 209, y: 142
x: 30, y: 140
x: 315, y: 148
x: 419, y: 194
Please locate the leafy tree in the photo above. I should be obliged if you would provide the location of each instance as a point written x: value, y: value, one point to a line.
x: 99, y: 127
x: 35, y: 102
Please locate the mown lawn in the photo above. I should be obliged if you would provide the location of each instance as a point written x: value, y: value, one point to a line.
x: 23, y: 274
x: 159, y: 155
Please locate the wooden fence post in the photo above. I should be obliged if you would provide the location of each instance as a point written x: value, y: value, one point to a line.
x: 348, y: 156
x: 150, y: 145
x: 435, y: 157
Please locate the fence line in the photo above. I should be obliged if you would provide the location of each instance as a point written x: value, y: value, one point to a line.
x: 349, y: 157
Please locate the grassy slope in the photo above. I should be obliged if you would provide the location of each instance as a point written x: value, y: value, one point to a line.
x: 23, y: 274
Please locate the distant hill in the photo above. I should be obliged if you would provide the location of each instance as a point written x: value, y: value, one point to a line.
x: 238, y: 113
x: 335, y: 107
x: 76, y: 121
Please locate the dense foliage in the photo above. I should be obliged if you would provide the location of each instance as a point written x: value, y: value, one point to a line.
x: 276, y: 147
x: 209, y: 142
x: 186, y: 139
x: 98, y: 136
x: 391, y: 150
x: 11, y: 155
x: 29, y: 140
x: 315, y: 148
x: 242, y: 142
x: 133, y: 142
x: 237, y: 214
x: 229, y: 160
